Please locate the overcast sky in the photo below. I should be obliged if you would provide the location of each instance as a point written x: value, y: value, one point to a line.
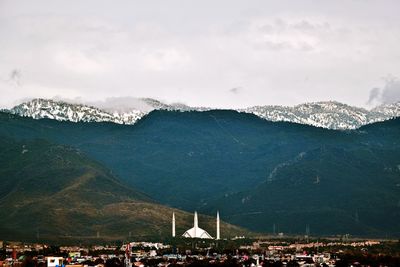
x: 202, y: 53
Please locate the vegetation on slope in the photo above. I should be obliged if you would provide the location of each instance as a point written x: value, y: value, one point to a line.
x: 51, y: 191
x: 256, y: 172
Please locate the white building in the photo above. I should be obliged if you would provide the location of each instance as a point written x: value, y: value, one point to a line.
x: 196, y: 231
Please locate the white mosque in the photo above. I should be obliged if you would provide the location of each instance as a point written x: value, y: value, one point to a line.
x: 196, y: 231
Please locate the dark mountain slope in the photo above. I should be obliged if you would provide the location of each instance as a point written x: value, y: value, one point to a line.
x: 334, y: 191
x: 197, y: 154
x: 54, y: 192
x: 192, y: 159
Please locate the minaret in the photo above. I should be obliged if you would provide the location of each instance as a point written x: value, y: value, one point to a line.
x: 195, y: 223
x: 218, y: 233
x: 173, y: 224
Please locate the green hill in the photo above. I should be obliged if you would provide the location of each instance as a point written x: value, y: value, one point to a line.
x: 197, y: 154
x: 328, y: 190
x: 256, y: 172
x: 55, y: 192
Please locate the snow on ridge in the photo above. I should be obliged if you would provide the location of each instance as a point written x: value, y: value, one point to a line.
x: 62, y: 111
x: 329, y: 114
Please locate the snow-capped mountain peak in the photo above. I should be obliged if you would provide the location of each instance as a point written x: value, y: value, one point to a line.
x: 62, y: 111
x: 328, y: 114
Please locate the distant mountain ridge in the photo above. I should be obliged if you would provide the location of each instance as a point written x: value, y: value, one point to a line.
x: 63, y: 111
x: 328, y: 114
x: 257, y: 173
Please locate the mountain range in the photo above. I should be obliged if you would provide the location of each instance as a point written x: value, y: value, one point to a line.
x: 330, y: 114
x: 55, y: 192
x: 258, y: 173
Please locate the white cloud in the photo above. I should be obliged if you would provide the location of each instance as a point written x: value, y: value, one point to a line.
x: 80, y: 61
x: 388, y: 93
x: 165, y: 59
x: 195, y: 53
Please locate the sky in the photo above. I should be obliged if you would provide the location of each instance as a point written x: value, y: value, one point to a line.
x: 214, y: 53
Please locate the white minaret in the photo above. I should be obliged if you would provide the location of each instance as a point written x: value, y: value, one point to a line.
x: 173, y: 224
x: 195, y: 223
x: 218, y: 233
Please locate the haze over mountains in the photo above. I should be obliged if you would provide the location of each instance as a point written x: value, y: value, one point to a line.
x: 256, y: 172
x: 330, y: 114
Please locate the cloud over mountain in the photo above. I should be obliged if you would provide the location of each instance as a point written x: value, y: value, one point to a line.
x: 282, y: 52
x: 389, y: 93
